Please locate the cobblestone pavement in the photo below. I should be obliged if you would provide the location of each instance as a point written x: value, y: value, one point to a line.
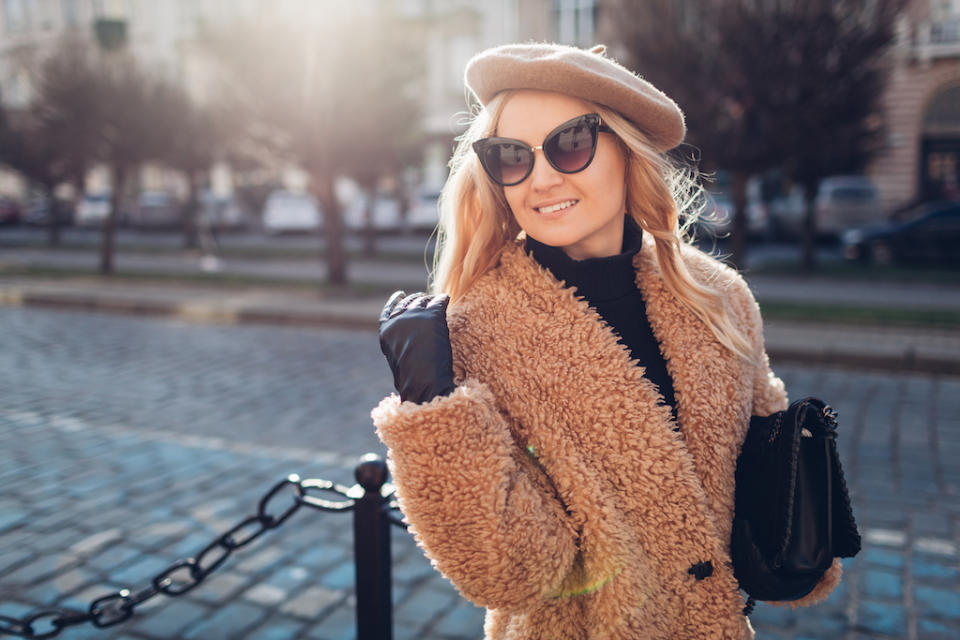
x: 126, y: 443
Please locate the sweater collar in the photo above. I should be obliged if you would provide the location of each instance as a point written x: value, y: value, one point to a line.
x: 596, y: 279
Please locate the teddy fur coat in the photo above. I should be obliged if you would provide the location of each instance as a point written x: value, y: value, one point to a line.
x: 551, y: 487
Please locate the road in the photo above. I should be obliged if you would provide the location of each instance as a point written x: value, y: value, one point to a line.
x: 126, y: 443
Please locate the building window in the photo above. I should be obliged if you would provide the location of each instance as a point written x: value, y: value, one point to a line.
x: 71, y: 12
x: 574, y: 21
x: 16, y: 15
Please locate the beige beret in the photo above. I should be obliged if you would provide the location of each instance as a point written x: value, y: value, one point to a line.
x: 583, y: 73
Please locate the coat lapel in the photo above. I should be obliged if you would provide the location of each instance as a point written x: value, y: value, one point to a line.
x: 712, y: 398
x: 711, y: 384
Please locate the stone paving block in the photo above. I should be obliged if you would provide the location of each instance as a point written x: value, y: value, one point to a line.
x: 937, y: 546
x: 323, y: 556
x: 112, y: 557
x: 342, y: 576
x: 818, y: 624
x: 289, y: 579
x: 277, y: 628
x: 882, y: 617
x: 876, y: 583
x: 933, y: 572
x: 259, y: 558
x: 412, y: 569
x: 937, y: 602
x: 312, y: 602
x: 937, y: 630
x: 423, y: 605
x: 94, y: 542
x: 170, y: 619
x: 53, y: 589
x: 13, y: 608
x: 882, y: 557
x: 141, y: 571
x: 10, y: 518
x: 776, y: 617
x: 341, y: 624
x: 221, y: 588
x: 228, y: 622
x: 39, y: 569
x: 265, y: 595
x: 464, y: 619
x: 11, y: 559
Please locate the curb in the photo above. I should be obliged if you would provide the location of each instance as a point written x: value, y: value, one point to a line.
x: 908, y: 362
x: 195, y: 312
x: 227, y: 314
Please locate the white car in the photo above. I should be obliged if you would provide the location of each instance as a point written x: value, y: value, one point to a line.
x: 92, y: 210
x: 424, y: 211
x: 291, y: 212
x: 386, y: 213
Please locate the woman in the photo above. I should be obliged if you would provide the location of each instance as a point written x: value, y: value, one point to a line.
x: 569, y: 462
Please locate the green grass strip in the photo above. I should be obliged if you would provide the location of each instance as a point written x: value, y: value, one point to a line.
x: 869, y: 316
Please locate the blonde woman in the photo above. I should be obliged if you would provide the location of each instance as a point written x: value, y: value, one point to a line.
x: 574, y: 393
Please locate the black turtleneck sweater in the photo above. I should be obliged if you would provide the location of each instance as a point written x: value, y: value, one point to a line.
x: 609, y: 286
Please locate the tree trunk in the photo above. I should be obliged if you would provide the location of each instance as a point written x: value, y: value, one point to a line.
x: 53, y: 225
x: 190, y: 212
x: 369, y: 232
x: 119, y: 179
x: 809, y: 235
x: 739, y: 232
x: 332, y: 227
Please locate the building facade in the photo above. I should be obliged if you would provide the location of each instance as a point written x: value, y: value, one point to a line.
x: 164, y: 37
x: 921, y: 160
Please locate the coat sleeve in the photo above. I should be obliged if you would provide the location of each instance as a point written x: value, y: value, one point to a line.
x: 769, y: 396
x: 484, y: 512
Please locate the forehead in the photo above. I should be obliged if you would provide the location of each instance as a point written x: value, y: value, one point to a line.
x: 530, y: 115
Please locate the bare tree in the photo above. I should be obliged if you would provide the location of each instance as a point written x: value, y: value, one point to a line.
x: 195, y: 138
x: 339, y: 97
x: 56, y: 139
x: 132, y: 133
x: 794, y: 83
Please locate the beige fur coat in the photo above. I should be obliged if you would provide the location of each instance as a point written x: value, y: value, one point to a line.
x: 550, y: 486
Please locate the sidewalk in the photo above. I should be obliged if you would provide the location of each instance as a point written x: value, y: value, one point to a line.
x: 931, y: 350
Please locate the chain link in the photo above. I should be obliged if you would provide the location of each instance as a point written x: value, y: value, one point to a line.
x: 186, y: 573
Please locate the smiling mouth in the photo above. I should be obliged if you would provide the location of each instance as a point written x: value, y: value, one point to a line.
x: 557, y: 207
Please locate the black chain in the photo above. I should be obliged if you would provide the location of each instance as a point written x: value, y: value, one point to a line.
x: 185, y: 574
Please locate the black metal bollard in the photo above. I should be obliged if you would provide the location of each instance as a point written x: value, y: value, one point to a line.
x: 371, y: 549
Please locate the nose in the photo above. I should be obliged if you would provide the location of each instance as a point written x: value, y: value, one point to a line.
x: 544, y: 176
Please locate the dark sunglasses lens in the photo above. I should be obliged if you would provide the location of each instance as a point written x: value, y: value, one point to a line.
x: 506, y: 163
x: 571, y: 149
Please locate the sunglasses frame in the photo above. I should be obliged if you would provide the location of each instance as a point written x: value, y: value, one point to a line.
x: 593, y: 119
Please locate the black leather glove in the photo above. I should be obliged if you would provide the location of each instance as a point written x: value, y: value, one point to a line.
x: 416, y: 341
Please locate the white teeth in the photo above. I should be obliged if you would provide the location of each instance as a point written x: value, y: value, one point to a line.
x: 557, y: 207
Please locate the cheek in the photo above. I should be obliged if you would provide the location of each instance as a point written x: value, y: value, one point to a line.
x: 515, y: 197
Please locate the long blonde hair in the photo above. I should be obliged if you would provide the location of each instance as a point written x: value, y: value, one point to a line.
x: 476, y: 223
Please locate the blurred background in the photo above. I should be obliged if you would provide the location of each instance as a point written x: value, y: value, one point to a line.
x: 812, y: 121
x: 205, y: 203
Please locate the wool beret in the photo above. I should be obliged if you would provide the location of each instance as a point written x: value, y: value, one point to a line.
x: 584, y: 73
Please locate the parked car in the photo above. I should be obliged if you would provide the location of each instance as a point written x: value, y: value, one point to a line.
x: 386, y: 213
x: 92, y: 210
x: 222, y: 212
x: 930, y: 233
x: 37, y: 211
x: 424, y: 213
x: 841, y: 203
x: 9, y: 211
x: 156, y: 210
x: 290, y: 212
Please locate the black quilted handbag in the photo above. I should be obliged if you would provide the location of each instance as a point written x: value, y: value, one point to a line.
x: 793, y: 513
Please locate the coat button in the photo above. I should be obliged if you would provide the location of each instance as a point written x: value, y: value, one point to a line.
x: 701, y: 570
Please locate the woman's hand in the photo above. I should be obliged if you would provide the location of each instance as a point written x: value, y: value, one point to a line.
x: 416, y: 341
